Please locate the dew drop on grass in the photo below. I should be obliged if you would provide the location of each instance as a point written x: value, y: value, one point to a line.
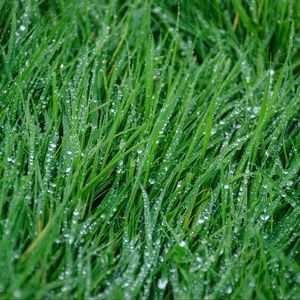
x: 256, y: 110
x: 76, y: 212
x: 52, y: 145
x: 289, y: 183
x: 201, y: 221
x: 17, y: 294
x: 182, y: 244
x: 179, y: 184
x: 11, y: 160
x: 229, y: 290
x: 265, y: 217
x: 252, y: 283
x: 162, y: 283
x: 22, y: 28
x: 151, y: 181
x: 157, y: 10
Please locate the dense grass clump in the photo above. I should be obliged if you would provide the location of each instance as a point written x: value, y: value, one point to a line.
x: 149, y: 149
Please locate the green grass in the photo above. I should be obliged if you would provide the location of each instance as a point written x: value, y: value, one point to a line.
x: 149, y: 149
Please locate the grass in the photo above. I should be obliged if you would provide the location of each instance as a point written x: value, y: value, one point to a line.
x: 149, y: 149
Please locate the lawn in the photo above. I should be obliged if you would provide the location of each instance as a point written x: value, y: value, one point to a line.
x: 149, y: 149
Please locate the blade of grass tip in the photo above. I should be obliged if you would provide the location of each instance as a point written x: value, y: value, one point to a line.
x: 13, y: 30
x: 113, y: 130
x: 54, y: 102
x: 116, y: 158
x: 159, y: 199
x: 245, y: 18
x: 5, y: 63
x: 149, y: 77
x: 158, y: 91
x: 208, y: 128
x: 113, y: 60
x: 171, y: 68
x: 151, y: 145
x: 211, y: 110
x: 198, y: 133
x: 87, y: 19
x: 148, y: 221
x: 223, y: 197
x: 282, y: 73
x: 37, y: 241
x: 254, y: 143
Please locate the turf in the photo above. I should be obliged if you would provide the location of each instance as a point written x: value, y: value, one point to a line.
x: 149, y: 149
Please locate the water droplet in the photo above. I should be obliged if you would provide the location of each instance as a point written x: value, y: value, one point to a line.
x: 256, y: 109
x: 201, y: 221
x: 289, y: 183
x: 22, y: 28
x: 265, y: 217
x: 157, y: 10
x: 17, y: 294
x: 182, y: 244
x: 271, y: 72
x: 151, y: 181
x: 229, y: 290
x: 11, y: 160
x: 76, y: 212
x: 162, y: 283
